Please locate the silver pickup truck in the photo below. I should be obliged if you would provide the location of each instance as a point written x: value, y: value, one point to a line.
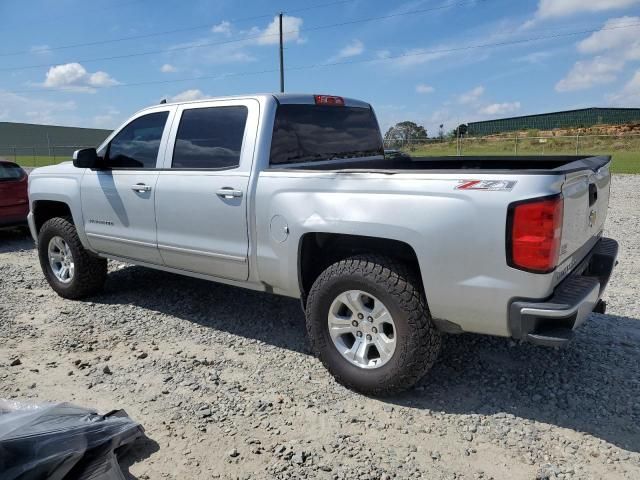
x: 293, y: 195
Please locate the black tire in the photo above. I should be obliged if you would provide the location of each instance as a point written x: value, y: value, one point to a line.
x: 90, y: 271
x: 394, y: 284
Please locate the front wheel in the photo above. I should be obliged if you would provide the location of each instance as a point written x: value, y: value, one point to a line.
x: 70, y: 269
x: 369, y: 324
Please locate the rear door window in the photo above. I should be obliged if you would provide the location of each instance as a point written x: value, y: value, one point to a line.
x: 137, y: 144
x: 311, y: 133
x: 210, y: 137
x: 10, y: 171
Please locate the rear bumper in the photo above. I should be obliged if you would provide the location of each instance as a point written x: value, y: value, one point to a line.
x: 551, y: 322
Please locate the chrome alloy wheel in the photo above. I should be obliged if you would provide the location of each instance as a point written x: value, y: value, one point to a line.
x: 61, y: 259
x: 362, y: 329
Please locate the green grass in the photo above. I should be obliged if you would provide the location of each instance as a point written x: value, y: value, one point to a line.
x: 623, y: 161
x: 35, y: 161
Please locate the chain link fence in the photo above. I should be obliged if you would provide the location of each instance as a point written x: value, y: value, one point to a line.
x: 625, y: 149
x: 39, y: 155
x: 520, y: 145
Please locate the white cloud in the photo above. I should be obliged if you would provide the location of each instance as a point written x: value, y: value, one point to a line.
x: 424, y: 88
x: 270, y: 35
x: 418, y: 56
x: 18, y: 108
x: 614, y: 47
x: 383, y: 54
x: 589, y: 73
x: 188, y: 96
x: 565, y: 8
x: 207, y: 50
x: 213, y: 55
x: 74, y: 77
x: 613, y: 37
x: 500, y: 108
x: 168, y: 68
x: 40, y: 49
x: 630, y: 94
x: 472, y: 96
x: 353, y: 49
x: 223, y: 27
x: 534, y: 57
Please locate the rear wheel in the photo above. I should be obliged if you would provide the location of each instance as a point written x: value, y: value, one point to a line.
x: 71, y: 270
x: 369, y: 324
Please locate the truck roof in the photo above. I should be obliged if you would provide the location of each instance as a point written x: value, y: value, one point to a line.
x: 285, y: 98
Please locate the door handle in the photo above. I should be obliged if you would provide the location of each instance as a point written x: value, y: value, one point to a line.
x: 140, y: 187
x: 228, y: 192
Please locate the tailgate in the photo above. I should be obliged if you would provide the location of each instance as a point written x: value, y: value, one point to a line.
x: 586, y: 199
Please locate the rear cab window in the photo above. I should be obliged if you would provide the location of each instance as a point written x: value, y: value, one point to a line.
x: 210, y: 138
x: 10, y: 172
x: 305, y: 133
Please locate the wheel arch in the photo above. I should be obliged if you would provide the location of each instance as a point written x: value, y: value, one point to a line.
x: 44, y: 210
x: 318, y: 250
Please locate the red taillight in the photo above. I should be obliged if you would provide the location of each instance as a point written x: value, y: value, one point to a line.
x: 534, y: 231
x: 329, y: 100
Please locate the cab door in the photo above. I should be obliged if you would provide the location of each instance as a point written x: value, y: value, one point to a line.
x: 202, y: 194
x: 118, y: 200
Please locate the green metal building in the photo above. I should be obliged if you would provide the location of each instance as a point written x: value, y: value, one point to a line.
x: 585, y: 117
x: 28, y: 139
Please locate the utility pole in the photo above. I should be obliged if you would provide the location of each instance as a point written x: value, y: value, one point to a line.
x: 281, y: 57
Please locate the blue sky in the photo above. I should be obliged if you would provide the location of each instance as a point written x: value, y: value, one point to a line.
x: 431, y: 61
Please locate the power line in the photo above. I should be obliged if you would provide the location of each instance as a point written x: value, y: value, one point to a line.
x: 170, y: 32
x: 134, y: 37
x: 251, y: 37
x: 349, y: 62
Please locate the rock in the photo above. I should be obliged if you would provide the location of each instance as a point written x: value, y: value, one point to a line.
x: 299, y: 458
x: 15, y: 362
x: 204, y: 413
x: 233, y: 453
x: 106, y: 370
x: 142, y: 355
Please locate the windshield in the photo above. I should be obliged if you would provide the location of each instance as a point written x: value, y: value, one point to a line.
x: 307, y: 133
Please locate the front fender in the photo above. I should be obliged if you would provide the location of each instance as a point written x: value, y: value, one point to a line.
x: 60, y: 188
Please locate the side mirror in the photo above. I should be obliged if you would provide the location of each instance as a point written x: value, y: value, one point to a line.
x: 86, y: 158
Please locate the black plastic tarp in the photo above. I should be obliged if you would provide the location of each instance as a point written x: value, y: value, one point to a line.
x: 62, y: 442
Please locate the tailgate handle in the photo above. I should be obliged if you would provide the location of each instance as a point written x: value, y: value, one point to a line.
x: 593, y: 194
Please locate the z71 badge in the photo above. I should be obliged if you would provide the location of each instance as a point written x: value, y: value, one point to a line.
x: 490, y: 185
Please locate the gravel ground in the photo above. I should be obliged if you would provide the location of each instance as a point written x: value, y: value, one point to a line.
x: 222, y: 380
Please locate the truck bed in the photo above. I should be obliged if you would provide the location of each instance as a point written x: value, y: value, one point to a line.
x: 535, y: 164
